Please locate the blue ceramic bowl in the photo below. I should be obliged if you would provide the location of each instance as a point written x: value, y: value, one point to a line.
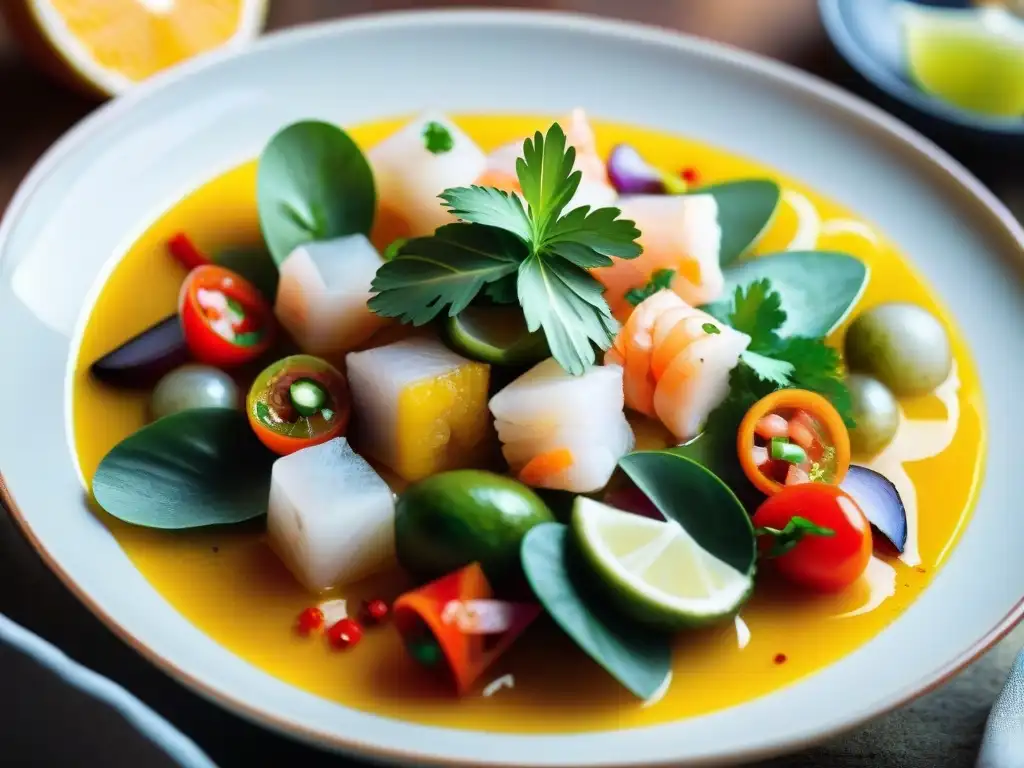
x: 867, y: 33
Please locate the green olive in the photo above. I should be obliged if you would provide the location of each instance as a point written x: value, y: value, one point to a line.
x: 902, y: 345
x: 876, y: 412
x: 193, y: 386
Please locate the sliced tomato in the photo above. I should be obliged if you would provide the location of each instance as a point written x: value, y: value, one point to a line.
x: 816, y: 535
x: 793, y: 436
x: 225, y: 319
x: 297, y: 402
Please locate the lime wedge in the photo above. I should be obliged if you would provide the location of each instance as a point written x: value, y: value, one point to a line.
x: 973, y: 59
x: 654, y: 571
x: 495, y: 335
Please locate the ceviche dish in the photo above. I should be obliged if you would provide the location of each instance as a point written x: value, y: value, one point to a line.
x: 526, y: 424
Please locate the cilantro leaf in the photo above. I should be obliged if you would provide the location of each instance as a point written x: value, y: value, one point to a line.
x: 768, y: 368
x: 445, y: 270
x: 757, y: 311
x: 546, y: 177
x: 817, y: 367
x: 600, y: 229
x: 490, y: 206
x: 567, y: 303
x: 437, y: 139
x: 660, y: 281
x: 503, y: 291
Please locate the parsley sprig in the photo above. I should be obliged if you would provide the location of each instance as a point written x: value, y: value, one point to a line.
x: 548, y: 252
x: 778, y: 361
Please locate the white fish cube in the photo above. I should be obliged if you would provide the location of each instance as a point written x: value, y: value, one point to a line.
x: 331, y: 518
x: 322, y: 294
x: 409, y: 177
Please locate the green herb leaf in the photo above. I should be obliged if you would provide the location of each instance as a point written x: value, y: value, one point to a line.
x: 547, y: 178
x: 638, y: 658
x: 817, y: 289
x: 787, y: 538
x: 248, y: 339
x: 437, y: 139
x: 391, y: 249
x: 768, y: 368
x: 490, y: 206
x: 447, y: 269
x: 567, y: 303
x: 660, y: 280
x: 188, y: 470
x: 693, y: 496
x: 503, y: 291
x: 600, y: 230
x: 745, y: 210
x: 255, y: 265
x: 817, y: 367
x: 313, y: 183
x: 757, y: 311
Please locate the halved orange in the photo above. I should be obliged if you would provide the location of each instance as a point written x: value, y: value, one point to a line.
x: 107, y: 46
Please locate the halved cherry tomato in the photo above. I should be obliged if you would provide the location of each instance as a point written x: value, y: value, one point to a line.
x: 225, y: 319
x: 298, y: 402
x: 827, y: 559
x: 793, y: 436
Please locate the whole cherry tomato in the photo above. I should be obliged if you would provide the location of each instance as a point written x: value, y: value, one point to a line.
x: 225, y: 319
x: 815, y: 534
x: 793, y: 436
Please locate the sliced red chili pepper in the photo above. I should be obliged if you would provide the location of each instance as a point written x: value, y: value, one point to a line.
x: 456, y: 619
x: 793, y: 436
x: 185, y: 252
x: 214, y: 305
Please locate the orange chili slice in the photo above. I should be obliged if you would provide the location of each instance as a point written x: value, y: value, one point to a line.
x: 803, y: 410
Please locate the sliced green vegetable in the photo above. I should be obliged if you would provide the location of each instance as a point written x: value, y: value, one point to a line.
x: 745, y: 210
x: 495, y: 335
x: 307, y: 396
x: 698, y: 500
x: 192, y: 469
x: 313, y: 183
x: 640, y: 659
x: 783, y: 450
x: 818, y: 289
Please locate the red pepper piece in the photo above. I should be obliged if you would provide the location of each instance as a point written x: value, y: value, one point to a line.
x: 690, y: 175
x: 345, y: 633
x: 310, y: 620
x: 185, y: 252
x: 446, y: 608
x: 374, y: 611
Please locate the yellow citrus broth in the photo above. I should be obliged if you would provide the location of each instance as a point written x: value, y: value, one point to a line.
x: 229, y: 584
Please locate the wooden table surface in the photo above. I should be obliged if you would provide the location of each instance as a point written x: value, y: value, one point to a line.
x: 36, y: 112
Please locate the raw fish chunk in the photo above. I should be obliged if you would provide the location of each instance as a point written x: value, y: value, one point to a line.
x: 409, y: 177
x: 561, y: 431
x: 419, y: 407
x: 677, y: 361
x: 677, y: 232
x: 322, y: 294
x: 331, y: 518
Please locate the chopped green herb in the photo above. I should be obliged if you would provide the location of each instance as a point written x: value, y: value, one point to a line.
x: 247, y: 339
x: 711, y: 328
x: 783, y: 450
x: 263, y: 414
x: 787, y: 538
x: 757, y: 311
x: 393, y: 248
x: 437, y: 139
x: 660, y: 280
x: 327, y: 414
x: 235, y: 307
x: 548, y: 252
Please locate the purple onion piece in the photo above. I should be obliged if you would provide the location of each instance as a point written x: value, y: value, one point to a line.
x: 880, y: 501
x: 630, y: 174
x: 143, y: 360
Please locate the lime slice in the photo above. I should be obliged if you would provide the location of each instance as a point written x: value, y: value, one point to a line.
x: 654, y: 571
x: 495, y: 335
x: 973, y: 59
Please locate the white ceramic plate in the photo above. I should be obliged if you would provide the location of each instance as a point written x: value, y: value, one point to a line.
x: 101, y: 185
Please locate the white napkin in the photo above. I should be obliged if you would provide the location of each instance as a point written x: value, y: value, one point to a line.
x: 1003, y: 743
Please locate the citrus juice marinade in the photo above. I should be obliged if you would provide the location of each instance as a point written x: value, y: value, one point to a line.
x: 229, y: 584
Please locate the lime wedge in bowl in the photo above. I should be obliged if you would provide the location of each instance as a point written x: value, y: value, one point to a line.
x: 973, y: 59
x: 654, y: 571
x: 495, y: 335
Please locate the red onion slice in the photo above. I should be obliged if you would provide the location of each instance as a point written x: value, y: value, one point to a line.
x: 880, y: 501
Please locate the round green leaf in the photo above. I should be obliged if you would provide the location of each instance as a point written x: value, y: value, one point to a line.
x: 313, y: 183
x: 638, y: 658
x: 818, y: 288
x: 745, y: 209
x: 698, y: 500
x: 192, y: 469
x: 255, y: 265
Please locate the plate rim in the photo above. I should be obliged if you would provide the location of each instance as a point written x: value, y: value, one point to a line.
x: 970, y: 189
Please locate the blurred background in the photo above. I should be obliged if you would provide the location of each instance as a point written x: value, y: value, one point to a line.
x: 45, y: 90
